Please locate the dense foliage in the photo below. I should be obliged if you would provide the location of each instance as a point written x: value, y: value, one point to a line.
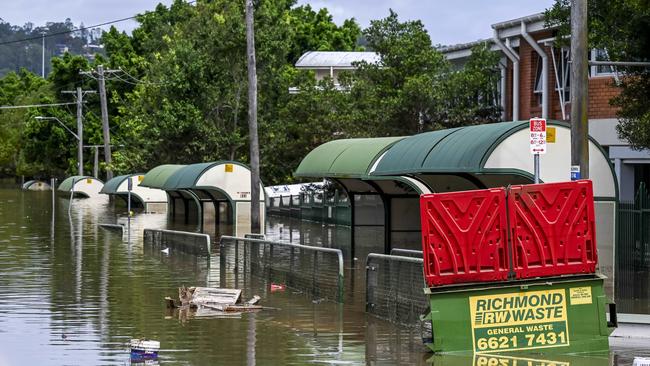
x: 179, y: 95
x: 622, y: 28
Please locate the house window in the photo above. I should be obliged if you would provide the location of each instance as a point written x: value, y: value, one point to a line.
x: 537, y: 90
x: 600, y: 70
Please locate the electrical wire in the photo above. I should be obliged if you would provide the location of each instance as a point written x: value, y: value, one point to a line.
x: 75, y: 30
x: 34, y: 105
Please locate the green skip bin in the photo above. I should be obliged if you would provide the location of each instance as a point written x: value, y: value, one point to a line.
x: 549, y: 316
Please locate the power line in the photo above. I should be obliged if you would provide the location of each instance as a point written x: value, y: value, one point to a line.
x: 75, y: 30
x: 66, y: 32
x: 34, y: 105
x: 139, y: 81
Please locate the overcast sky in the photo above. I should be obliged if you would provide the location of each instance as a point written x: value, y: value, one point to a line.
x: 448, y: 22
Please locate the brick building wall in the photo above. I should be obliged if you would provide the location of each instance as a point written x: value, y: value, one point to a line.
x: 601, y: 88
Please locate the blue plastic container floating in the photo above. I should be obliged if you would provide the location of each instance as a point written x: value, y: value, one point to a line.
x: 144, y: 349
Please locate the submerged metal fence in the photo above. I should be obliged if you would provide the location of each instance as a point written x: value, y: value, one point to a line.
x: 395, y: 288
x: 633, y: 255
x: 314, y: 270
x: 406, y: 252
x: 195, y: 243
x: 313, y: 206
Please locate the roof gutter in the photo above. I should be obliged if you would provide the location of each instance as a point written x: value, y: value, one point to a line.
x: 514, y: 58
x: 544, y: 57
x: 511, y: 23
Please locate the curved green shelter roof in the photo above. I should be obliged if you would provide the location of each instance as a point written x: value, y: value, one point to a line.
x: 186, y: 177
x: 157, y: 177
x: 67, y: 183
x: 349, y: 158
x: 462, y: 149
x: 38, y: 183
x: 113, y: 185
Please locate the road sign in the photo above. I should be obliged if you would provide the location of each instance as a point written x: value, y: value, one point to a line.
x: 550, y: 135
x: 537, y: 136
x: 575, y: 172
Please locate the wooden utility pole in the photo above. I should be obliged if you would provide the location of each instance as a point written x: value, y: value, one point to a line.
x: 79, y: 95
x: 96, y: 162
x: 80, y: 129
x: 252, y: 119
x: 105, y: 128
x: 104, y: 107
x: 579, y: 88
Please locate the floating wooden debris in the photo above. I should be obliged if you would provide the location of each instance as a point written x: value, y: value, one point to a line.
x: 211, y: 295
x: 208, y: 301
x: 254, y: 300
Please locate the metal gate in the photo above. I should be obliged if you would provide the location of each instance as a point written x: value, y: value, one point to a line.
x: 395, y: 288
x: 633, y: 255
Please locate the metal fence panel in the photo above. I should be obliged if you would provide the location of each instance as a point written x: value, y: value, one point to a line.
x: 195, y: 243
x: 395, y: 288
x: 633, y: 255
x: 313, y: 270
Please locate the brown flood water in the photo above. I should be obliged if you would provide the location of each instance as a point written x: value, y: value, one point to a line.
x: 72, y: 293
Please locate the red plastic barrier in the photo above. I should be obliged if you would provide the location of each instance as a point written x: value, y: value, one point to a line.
x: 464, y: 236
x: 552, y: 229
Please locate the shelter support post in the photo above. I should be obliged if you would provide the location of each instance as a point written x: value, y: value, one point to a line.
x: 199, y: 207
x: 386, y: 202
x: 387, y: 224
x: 186, y: 206
x: 352, y: 229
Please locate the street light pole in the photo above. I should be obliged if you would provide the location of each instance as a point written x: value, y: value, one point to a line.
x: 43, y: 56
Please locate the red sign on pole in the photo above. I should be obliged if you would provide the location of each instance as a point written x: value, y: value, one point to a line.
x: 537, y: 136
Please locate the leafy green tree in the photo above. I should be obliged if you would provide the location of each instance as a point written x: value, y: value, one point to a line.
x: 28, y: 146
x: 621, y: 28
x: 16, y: 89
x: 404, y: 85
x: 469, y: 95
x: 190, y: 104
x: 317, y: 114
x: 316, y: 31
x: 412, y: 89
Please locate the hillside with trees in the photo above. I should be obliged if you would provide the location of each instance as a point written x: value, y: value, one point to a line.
x: 28, y: 54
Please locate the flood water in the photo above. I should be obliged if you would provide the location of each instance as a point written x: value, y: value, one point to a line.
x: 72, y: 293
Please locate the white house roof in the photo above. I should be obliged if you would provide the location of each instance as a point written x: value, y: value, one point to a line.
x: 336, y: 59
x: 517, y: 22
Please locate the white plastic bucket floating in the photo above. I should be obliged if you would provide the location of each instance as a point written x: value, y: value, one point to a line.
x: 144, y: 349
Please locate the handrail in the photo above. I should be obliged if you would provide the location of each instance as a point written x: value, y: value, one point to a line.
x: 398, y: 258
x: 203, y: 236
x: 401, y: 252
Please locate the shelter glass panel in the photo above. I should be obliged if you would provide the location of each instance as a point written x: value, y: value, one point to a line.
x: 368, y: 210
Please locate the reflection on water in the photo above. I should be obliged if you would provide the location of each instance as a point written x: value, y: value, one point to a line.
x: 73, y: 293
